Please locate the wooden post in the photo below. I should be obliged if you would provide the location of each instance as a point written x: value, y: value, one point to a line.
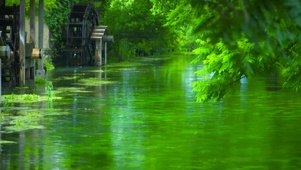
x: 100, y: 51
x: 105, y: 53
x: 0, y: 82
x: 41, y: 72
x: 32, y: 22
x: 22, y: 42
x: 32, y: 35
x: 96, y: 53
x: 0, y: 71
x: 41, y: 23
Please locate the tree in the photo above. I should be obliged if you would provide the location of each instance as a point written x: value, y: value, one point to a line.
x: 56, y: 17
x: 241, y: 39
x: 137, y: 29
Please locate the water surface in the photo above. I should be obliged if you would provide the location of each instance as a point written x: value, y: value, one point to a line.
x: 145, y: 117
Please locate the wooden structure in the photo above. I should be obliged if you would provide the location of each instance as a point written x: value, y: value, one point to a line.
x: 101, y: 37
x: 18, y: 64
x: 80, y: 49
x: 83, y: 34
x: 0, y: 83
x: 9, y: 44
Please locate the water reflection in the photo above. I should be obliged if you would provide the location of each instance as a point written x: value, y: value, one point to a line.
x: 147, y: 119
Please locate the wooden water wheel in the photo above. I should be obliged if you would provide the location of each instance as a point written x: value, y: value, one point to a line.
x: 9, y: 27
x: 80, y: 49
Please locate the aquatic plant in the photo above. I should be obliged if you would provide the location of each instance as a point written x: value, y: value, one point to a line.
x: 48, y: 64
x: 22, y: 98
x: 96, y: 71
x: 49, y: 90
x: 71, y: 90
x: 66, y: 78
x: 93, y: 82
x: 4, y: 104
x: 39, y: 81
x: 27, y: 119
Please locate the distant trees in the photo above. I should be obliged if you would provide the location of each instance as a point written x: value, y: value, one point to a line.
x: 137, y: 29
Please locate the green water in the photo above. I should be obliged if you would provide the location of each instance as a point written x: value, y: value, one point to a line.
x: 145, y: 117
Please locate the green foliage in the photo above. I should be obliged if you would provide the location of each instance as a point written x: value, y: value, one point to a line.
x: 239, y: 39
x: 222, y: 67
x: 38, y: 80
x: 137, y: 30
x: 48, y: 64
x: 56, y: 16
x: 47, y: 59
x: 126, y: 49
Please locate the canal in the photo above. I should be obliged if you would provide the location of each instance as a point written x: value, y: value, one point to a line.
x: 144, y: 116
